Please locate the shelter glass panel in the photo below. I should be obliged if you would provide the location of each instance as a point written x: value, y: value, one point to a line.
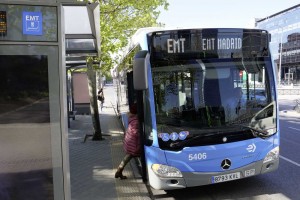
x: 30, y: 138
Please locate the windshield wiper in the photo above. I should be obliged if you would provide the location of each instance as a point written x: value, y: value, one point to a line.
x: 256, y: 132
x: 259, y: 133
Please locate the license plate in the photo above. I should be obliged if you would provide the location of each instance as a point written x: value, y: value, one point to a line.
x: 226, y: 177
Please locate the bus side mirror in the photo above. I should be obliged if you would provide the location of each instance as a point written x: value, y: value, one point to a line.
x: 140, y: 80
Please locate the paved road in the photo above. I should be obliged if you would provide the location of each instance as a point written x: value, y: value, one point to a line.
x: 282, y: 184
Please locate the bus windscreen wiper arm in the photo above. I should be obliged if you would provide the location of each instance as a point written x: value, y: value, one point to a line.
x: 255, y: 132
x: 259, y: 133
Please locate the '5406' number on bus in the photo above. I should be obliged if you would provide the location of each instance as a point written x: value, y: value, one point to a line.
x: 197, y: 156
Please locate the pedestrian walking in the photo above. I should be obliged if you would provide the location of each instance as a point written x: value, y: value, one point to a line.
x: 100, y: 97
x: 131, y: 142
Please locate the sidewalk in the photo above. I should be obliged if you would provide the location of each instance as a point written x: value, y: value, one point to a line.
x: 93, y: 163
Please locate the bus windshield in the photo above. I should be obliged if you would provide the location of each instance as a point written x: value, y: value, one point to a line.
x: 213, y: 99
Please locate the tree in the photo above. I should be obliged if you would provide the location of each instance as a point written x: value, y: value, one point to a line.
x: 119, y: 20
x: 91, y: 73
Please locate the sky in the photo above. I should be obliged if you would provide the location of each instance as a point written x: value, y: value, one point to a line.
x: 220, y: 13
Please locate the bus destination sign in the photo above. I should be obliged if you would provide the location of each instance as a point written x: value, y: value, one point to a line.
x: 208, y: 43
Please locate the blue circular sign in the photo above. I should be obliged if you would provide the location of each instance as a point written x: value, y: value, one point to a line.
x: 183, y: 135
x: 165, y: 136
x: 174, y: 136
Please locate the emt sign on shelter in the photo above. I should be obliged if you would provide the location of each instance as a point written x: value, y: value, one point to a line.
x: 32, y: 23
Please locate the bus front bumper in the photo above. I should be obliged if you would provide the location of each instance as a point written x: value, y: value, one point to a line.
x: 192, y: 179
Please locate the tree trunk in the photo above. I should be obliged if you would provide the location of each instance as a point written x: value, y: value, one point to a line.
x: 97, y: 135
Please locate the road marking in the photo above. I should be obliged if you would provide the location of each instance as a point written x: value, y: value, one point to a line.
x: 297, y: 129
x: 296, y: 123
x: 290, y: 141
x: 290, y: 161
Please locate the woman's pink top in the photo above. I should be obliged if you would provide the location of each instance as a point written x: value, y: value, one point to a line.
x: 132, y: 138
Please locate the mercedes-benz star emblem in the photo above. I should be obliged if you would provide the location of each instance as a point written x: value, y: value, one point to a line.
x: 225, y: 164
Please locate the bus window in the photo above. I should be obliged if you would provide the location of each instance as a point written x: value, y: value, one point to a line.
x: 148, y: 120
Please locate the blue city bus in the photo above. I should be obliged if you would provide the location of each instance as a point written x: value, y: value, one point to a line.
x: 207, y: 104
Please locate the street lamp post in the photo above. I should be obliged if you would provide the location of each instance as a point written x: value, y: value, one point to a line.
x: 280, y: 50
x: 280, y: 57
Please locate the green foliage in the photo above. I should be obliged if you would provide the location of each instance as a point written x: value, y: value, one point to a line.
x: 127, y: 62
x: 119, y: 20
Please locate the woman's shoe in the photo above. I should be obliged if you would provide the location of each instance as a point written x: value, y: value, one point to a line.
x: 119, y: 174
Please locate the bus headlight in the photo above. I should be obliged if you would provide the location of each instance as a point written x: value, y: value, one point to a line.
x: 272, y: 155
x: 165, y: 171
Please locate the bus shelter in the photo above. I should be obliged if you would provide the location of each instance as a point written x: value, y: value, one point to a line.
x: 33, y: 101
x: 82, y: 29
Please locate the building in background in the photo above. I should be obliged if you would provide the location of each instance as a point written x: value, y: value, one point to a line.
x: 284, y: 27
